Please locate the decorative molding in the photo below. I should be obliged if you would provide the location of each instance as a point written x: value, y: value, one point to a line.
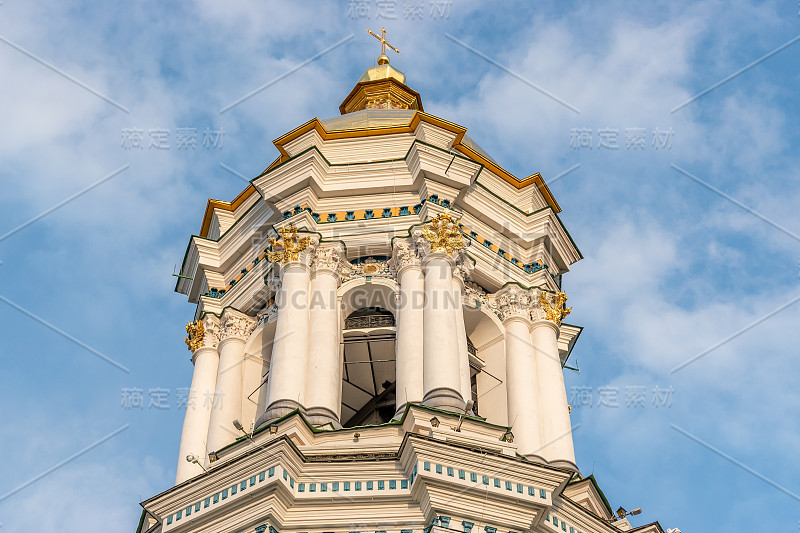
x: 369, y: 321
x: 404, y: 255
x: 482, y: 480
x: 269, y: 313
x: 330, y: 258
x: 308, y: 488
x: 398, y: 487
x: 474, y: 295
x: 370, y: 267
x: 211, y: 329
x: 513, y: 301
x: 387, y: 212
x: 236, y: 324
x: 348, y: 457
x: 464, y: 267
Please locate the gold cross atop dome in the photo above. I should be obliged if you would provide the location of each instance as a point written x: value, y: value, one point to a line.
x: 381, y: 86
x: 383, y: 59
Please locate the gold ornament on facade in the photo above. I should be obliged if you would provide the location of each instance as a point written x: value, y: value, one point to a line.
x: 443, y: 234
x: 196, y: 330
x: 553, y: 306
x: 288, y: 246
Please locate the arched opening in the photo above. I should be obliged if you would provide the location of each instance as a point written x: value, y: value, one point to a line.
x: 486, y: 347
x: 368, y: 359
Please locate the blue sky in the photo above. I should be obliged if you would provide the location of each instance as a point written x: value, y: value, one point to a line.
x: 687, y: 240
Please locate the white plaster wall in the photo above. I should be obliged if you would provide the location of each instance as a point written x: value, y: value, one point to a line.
x: 492, y: 401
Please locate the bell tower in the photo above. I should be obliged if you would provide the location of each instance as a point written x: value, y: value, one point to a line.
x: 381, y: 327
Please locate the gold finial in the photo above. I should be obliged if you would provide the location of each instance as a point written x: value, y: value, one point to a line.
x: 383, y: 60
x: 196, y: 330
x: 443, y: 234
x: 554, y: 307
x: 289, y: 246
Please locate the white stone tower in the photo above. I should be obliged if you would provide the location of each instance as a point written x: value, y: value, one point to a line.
x: 379, y: 340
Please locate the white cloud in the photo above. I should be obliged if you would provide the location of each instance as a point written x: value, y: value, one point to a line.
x: 84, y: 496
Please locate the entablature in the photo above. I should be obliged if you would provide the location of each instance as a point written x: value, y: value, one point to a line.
x: 215, y: 262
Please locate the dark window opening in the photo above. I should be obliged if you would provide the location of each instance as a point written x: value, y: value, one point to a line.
x: 368, y: 388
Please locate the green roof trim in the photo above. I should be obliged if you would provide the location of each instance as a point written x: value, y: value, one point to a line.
x: 141, y: 522
x: 484, y: 187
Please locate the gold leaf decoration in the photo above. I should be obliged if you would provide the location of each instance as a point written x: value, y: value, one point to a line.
x: 288, y: 246
x: 443, y: 234
x: 196, y: 330
x: 553, y: 306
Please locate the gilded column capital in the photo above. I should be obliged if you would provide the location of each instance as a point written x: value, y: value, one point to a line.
x: 289, y: 247
x: 330, y: 257
x: 441, y: 234
x: 404, y: 255
x: 236, y: 324
x: 202, y: 333
x: 551, y: 307
x: 195, y: 332
x: 512, y: 301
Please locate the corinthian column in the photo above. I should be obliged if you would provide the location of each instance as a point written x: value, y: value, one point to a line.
x: 202, y: 342
x: 409, y: 344
x: 441, y: 364
x: 287, y: 375
x: 324, y: 376
x: 513, y: 305
x: 556, y: 425
x: 227, y: 400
